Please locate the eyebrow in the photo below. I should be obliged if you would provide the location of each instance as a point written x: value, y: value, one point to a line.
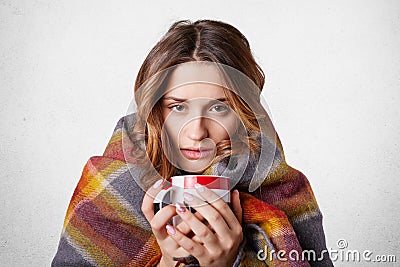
x: 223, y: 99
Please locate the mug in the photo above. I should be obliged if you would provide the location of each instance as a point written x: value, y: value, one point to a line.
x: 185, y: 183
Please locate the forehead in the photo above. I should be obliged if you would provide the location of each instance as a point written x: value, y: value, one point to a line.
x: 194, y: 81
x: 196, y: 90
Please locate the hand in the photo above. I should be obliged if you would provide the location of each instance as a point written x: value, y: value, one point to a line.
x: 158, y: 222
x: 218, y: 244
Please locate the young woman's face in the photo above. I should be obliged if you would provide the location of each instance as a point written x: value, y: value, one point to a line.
x: 196, y: 117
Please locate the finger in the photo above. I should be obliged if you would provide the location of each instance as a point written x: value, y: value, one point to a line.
x: 191, y: 246
x: 236, y: 207
x: 202, y: 231
x: 213, y: 216
x: 184, y: 228
x: 197, y: 239
x: 160, y: 220
x: 219, y: 204
x: 147, y: 204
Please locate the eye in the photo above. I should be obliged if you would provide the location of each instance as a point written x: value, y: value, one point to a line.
x: 220, y: 108
x: 177, y: 108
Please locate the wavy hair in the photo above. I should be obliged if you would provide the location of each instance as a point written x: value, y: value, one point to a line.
x: 186, y: 41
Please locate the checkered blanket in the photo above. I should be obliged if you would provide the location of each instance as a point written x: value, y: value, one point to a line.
x: 104, y: 224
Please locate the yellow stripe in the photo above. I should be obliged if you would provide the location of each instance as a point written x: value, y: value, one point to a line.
x: 118, y: 207
x: 116, y: 137
x: 89, y: 247
x: 95, y: 186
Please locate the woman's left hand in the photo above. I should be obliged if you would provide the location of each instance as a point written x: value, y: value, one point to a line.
x: 218, y: 243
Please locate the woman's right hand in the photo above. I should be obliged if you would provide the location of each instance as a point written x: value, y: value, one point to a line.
x: 159, y: 221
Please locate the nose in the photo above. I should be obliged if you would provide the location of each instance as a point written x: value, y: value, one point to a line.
x: 196, y: 129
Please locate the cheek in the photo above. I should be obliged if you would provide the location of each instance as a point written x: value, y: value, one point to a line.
x: 226, y: 128
x: 170, y: 131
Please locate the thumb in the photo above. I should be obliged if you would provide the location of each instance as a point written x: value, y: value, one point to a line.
x: 236, y: 207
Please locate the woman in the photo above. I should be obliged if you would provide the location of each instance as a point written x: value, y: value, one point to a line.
x: 199, y: 112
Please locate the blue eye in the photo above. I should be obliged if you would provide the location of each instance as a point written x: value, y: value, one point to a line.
x: 220, y: 108
x: 178, y: 108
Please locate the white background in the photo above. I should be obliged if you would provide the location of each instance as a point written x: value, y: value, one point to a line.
x: 67, y: 70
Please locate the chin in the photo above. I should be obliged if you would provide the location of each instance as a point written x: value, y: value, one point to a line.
x: 199, y: 169
x: 194, y: 170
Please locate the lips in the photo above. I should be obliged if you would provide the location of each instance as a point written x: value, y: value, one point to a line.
x: 196, y: 153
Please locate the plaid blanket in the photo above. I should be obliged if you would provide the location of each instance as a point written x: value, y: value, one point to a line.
x: 104, y: 224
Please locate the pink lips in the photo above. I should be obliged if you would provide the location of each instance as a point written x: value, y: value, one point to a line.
x: 196, y: 153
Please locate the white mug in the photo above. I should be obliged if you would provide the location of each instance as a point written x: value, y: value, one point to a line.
x: 185, y: 183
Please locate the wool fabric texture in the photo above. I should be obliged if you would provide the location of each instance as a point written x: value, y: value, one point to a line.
x: 104, y: 224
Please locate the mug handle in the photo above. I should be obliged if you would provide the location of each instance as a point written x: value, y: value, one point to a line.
x: 160, y: 199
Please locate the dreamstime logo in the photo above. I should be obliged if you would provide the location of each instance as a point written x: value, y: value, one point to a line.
x: 341, y: 254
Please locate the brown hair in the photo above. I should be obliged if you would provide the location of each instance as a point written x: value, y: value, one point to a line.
x: 186, y: 41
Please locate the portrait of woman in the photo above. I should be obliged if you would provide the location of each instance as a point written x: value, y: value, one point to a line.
x: 215, y: 133
x: 198, y: 111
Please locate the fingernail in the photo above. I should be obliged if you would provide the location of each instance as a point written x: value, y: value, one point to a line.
x: 199, y: 187
x: 158, y: 183
x: 187, y: 196
x: 170, y: 229
x: 180, y: 207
